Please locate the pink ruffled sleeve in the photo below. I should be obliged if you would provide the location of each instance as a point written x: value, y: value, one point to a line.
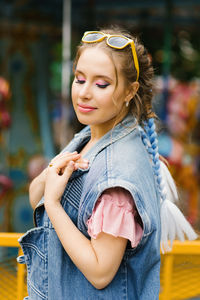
x: 115, y: 213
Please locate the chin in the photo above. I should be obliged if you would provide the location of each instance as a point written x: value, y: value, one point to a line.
x: 83, y: 120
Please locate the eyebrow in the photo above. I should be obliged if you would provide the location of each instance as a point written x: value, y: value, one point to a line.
x: 96, y: 76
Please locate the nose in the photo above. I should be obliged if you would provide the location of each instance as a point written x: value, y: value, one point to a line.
x: 85, y: 91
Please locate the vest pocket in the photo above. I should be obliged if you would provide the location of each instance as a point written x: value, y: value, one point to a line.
x: 34, y: 246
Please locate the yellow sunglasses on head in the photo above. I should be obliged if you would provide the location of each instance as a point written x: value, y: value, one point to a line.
x: 114, y: 41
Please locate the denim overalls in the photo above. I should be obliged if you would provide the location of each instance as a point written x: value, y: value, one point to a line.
x: 118, y: 159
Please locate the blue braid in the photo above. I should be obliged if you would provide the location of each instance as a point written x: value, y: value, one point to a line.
x: 150, y: 141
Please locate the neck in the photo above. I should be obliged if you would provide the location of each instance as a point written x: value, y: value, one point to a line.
x: 99, y: 130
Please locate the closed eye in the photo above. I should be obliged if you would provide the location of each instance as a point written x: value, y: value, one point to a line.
x: 80, y: 81
x: 102, y: 86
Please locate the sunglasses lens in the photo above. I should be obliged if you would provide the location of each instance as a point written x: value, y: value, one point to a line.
x: 118, y: 42
x: 92, y: 37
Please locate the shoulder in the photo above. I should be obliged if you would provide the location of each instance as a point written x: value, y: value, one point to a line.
x: 121, y: 163
x: 128, y: 158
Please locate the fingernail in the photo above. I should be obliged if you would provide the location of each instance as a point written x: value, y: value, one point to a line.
x: 71, y: 164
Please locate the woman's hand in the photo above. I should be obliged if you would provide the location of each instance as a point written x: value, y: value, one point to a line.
x: 37, y: 186
x: 58, y: 174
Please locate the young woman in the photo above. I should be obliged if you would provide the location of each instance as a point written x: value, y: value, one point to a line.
x: 98, y: 228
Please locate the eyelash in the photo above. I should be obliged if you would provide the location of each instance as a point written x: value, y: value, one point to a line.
x: 80, y: 81
x: 101, y: 86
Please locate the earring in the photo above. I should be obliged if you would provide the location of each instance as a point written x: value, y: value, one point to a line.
x: 127, y: 103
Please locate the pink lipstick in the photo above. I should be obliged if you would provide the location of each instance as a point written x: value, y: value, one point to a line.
x: 85, y: 108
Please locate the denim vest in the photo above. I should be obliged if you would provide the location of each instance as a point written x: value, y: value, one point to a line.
x: 118, y: 159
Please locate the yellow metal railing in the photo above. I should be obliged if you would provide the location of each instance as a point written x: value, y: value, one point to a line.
x: 11, y: 240
x: 180, y: 269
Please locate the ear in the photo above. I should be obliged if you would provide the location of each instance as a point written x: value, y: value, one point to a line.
x: 132, y: 90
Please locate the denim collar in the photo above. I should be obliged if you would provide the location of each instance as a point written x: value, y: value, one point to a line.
x: 127, y: 125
